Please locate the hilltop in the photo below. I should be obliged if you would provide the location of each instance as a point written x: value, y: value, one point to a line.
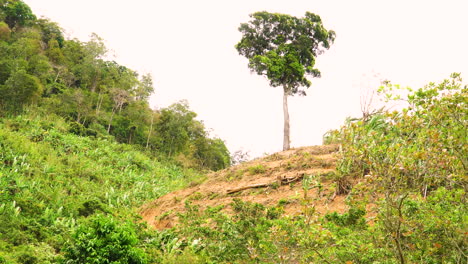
x: 389, y: 187
x: 276, y: 178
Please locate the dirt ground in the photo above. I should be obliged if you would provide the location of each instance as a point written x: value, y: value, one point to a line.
x: 277, y: 178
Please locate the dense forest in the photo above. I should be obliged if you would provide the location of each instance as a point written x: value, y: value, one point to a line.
x: 81, y: 151
x: 41, y: 71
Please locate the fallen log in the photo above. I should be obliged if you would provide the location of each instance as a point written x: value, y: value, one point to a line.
x: 280, y: 181
x: 259, y: 185
x: 287, y: 180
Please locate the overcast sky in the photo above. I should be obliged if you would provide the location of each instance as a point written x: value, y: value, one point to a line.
x: 188, y: 47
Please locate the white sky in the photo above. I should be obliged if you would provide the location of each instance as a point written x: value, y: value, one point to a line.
x: 188, y: 47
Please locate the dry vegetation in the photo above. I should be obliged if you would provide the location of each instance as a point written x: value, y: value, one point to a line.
x: 274, y: 179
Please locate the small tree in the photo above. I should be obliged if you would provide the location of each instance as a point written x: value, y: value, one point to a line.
x: 19, y: 90
x: 283, y: 48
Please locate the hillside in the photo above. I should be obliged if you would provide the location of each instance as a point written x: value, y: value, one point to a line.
x: 89, y: 173
x: 52, y: 181
x: 43, y: 71
x: 274, y: 179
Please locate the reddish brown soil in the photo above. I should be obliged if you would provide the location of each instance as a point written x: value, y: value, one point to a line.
x: 316, y: 161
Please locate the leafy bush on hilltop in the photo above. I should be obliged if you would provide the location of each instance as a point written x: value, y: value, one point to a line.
x: 421, y: 147
x: 420, y: 150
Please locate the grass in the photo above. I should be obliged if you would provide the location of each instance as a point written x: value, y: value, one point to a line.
x: 257, y: 169
x: 50, y: 179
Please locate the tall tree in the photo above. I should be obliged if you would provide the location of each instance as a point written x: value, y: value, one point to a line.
x: 120, y: 97
x: 144, y: 88
x: 175, y: 128
x: 283, y: 48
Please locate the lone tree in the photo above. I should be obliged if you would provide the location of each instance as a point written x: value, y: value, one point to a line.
x: 283, y: 48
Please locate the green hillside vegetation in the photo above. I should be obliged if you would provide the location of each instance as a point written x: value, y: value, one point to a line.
x: 97, y: 97
x: 81, y: 151
x: 51, y: 179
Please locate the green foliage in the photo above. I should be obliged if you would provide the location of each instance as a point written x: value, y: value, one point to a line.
x: 331, y: 137
x: 421, y: 147
x: 257, y: 234
x: 256, y: 169
x: 352, y: 218
x: 283, y: 48
x: 51, y: 31
x: 50, y: 178
x: 19, y: 90
x: 145, y: 88
x: 176, y: 127
x: 5, y: 31
x: 211, y: 153
x: 225, y: 238
x: 431, y: 230
x: 180, y: 133
x: 434, y: 228
x: 415, y: 151
x: 99, y: 98
x: 17, y: 13
x: 104, y: 240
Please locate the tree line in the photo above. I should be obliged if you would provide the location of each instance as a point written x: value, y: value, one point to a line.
x: 41, y: 69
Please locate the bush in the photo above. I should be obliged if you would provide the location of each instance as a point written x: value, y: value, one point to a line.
x: 257, y: 169
x: 104, y: 240
x: 420, y: 148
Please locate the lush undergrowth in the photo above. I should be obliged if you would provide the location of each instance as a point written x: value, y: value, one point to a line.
x: 433, y: 232
x: 51, y: 180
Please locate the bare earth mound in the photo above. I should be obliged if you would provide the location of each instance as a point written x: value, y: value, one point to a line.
x: 268, y: 181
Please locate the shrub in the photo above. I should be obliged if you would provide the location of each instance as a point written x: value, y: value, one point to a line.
x: 257, y: 169
x: 104, y: 240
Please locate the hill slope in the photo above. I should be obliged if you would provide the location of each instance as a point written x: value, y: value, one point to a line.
x: 51, y: 181
x: 277, y: 178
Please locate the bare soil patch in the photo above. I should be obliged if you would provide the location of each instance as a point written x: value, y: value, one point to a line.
x: 270, y: 180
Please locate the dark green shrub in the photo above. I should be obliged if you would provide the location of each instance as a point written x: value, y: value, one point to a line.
x: 91, y: 207
x: 77, y: 129
x: 104, y: 240
x: 353, y: 218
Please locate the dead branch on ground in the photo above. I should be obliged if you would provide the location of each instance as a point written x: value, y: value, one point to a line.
x: 279, y: 181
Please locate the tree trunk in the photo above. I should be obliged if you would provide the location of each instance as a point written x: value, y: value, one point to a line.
x: 99, y: 102
x: 286, y: 121
x: 151, y: 128
x: 110, y: 121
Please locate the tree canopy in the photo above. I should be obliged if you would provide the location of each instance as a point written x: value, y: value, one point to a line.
x: 284, y: 48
